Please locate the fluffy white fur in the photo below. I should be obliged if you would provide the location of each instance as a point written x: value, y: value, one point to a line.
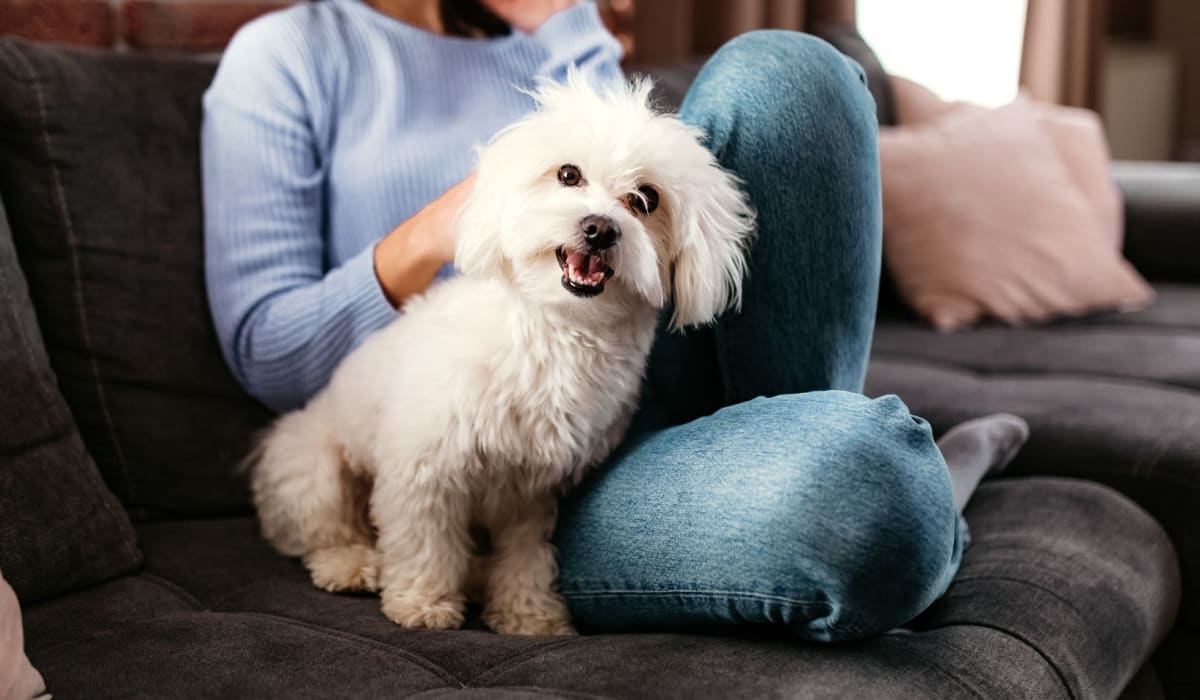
x: 500, y: 388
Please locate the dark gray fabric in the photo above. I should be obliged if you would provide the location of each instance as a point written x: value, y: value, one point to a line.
x: 99, y: 166
x: 1162, y: 218
x: 1115, y: 399
x: 60, y: 528
x: 1065, y: 593
x: 1144, y: 686
x: 673, y: 80
x: 1175, y: 663
x: 1031, y: 571
x: 845, y: 38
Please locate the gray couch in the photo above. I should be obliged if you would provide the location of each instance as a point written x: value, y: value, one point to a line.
x: 155, y: 583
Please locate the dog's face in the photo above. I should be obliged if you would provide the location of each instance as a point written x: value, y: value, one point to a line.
x: 596, y: 202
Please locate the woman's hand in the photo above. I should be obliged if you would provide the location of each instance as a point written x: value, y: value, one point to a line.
x: 408, y: 259
x: 526, y: 15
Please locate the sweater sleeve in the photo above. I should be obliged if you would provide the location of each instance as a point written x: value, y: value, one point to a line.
x: 576, y: 36
x: 283, y: 319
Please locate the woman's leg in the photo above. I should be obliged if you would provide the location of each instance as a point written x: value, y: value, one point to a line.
x: 826, y: 511
x: 793, y: 119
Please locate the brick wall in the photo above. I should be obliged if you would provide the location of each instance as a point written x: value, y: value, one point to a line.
x: 182, y: 25
x: 176, y: 25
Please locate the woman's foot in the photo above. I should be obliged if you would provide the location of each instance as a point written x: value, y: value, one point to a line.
x: 979, y: 448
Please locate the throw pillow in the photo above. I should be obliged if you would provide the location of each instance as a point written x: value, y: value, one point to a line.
x: 982, y: 218
x: 1077, y: 133
x: 100, y: 169
x: 60, y: 528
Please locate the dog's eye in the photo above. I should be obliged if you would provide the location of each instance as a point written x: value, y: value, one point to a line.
x: 647, y: 202
x: 570, y: 175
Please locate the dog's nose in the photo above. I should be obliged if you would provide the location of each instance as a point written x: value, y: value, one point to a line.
x: 599, y: 232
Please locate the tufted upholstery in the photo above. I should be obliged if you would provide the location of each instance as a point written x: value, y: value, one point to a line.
x: 1113, y: 398
x: 1065, y: 592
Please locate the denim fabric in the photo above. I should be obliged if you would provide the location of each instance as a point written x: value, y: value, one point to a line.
x: 817, y: 508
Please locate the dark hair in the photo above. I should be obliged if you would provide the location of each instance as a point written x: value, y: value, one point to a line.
x: 470, y: 18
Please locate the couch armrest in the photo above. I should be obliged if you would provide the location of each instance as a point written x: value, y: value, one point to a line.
x: 1162, y: 218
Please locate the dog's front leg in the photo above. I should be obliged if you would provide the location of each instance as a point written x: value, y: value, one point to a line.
x: 521, y: 595
x: 424, y: 546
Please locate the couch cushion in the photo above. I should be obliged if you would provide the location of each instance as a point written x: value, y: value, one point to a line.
x: 99, y: 167
x: 1113, y: 398
x: 60, y: 528
x: 1065, y: 592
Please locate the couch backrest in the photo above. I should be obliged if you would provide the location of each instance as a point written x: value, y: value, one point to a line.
x: 100, y: 174
x: 99, y: 168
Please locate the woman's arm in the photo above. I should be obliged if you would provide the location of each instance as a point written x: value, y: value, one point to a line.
x: 408, y: 259
x: 284, y: 321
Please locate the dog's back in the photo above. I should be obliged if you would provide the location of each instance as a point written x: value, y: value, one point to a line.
x: 476, y: 379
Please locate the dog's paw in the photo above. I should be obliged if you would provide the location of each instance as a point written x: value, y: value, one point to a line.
x: 423, y: 613
x: 548, y: 617
x: 343, y: 569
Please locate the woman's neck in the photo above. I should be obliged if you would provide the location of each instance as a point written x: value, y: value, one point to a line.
x: 424, y: 14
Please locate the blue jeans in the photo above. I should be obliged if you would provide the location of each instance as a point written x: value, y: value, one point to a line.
x: 816, y: 508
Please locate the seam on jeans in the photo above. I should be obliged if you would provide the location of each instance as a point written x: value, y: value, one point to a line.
x: 491, y: 673
x: 1013, y: 635
x: 73, y: 246
x: 846, y: 631
x: 689, y: 593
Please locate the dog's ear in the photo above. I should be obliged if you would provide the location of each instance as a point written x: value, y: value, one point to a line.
x: 716, y: 224
x: 477, y: 228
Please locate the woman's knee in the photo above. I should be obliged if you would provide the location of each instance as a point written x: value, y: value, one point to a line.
x: 828, y: 512
x: 878, y: 537
x: 773, y: 75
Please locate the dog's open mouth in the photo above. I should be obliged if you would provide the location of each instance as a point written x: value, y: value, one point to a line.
x: 584, y: 274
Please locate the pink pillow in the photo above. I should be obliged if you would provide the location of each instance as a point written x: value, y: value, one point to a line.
x: 917, y: 104
x: 1078, y: 134
x: 1083, y: 146
x: 18, y: 679
x: 983, y: 218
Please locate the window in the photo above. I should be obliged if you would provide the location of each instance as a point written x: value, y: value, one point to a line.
x: 961, y: 49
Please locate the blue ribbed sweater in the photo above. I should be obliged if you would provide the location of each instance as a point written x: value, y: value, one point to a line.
x: 326, y: 126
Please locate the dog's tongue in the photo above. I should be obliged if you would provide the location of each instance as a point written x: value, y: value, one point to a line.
x: 583, y: 263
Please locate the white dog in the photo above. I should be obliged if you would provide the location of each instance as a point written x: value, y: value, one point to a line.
x: 500, y: 388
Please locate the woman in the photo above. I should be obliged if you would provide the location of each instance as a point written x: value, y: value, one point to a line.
x: 330, y: 122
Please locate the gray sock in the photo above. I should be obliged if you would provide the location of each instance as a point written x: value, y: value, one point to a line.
x: 978, y: 448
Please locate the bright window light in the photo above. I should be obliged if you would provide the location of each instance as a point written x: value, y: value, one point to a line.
x: 961, y: 49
